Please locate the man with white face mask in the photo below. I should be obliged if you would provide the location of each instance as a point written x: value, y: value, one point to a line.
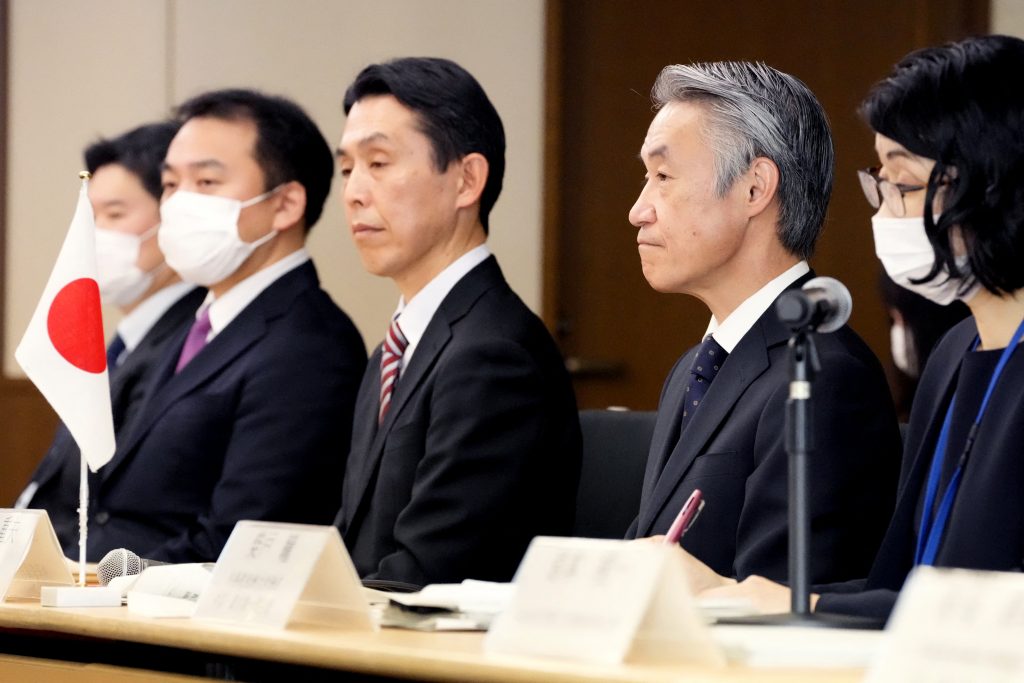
x: 154, y: 302
x: 251, y: 406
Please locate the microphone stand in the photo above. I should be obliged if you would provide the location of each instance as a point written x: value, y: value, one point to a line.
x: 804, y: 365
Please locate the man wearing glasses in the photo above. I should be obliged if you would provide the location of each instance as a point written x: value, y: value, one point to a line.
x: 738, y: 176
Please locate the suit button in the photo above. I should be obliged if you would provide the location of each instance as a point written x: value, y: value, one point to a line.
x: 102, y: 517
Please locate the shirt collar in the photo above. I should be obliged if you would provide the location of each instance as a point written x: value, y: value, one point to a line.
x: 730, y: 331
x: 227, y: 306
x: 137, y: 324
x: 417, y: 313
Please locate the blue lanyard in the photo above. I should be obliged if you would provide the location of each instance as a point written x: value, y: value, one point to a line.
x: 933, y: 527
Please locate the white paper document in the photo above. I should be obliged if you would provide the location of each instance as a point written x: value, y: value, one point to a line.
x: 171, y: 590
x: 468, y: 596
x: 604, y: 602
x: 468, y: 606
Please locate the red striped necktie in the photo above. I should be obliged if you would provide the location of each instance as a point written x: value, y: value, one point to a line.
x: 390, y: 365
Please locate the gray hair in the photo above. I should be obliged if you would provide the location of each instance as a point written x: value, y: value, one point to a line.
x: 753, y: 110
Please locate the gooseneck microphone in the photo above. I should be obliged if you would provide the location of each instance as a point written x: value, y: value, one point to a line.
x: 122, y: 562
x: 823, y: 304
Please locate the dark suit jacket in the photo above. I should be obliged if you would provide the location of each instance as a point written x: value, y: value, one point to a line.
x: 253, y: 427
x: 986, y: 524
x: 58, y: 473
x: 478, y: 453
x: 733, y: 449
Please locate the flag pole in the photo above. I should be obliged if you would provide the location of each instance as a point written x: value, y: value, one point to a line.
x: 83, y: 481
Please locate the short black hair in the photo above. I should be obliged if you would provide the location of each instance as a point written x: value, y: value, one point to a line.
x: 453, y: 111
x: 289, y: 146
x: 140, y: 150
x: 957, y: 104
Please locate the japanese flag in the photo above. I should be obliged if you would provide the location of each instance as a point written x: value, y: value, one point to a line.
x: 62, y: 351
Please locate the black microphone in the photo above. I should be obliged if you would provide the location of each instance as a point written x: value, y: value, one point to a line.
x: 122, y: 562
x: 823, y: 304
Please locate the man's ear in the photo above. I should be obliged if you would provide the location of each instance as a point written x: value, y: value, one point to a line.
x: 473, y: 170
x: 291, y: 205
x: 762, y: 185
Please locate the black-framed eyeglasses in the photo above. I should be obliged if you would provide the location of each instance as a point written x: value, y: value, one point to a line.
x: 877, y: 190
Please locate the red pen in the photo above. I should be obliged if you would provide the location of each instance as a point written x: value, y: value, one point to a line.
x: 686, y: 517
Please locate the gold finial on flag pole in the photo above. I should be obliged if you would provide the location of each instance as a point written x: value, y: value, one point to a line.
x: 84, y: 175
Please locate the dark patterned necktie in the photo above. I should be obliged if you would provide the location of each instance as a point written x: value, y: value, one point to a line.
x: 114, y: 352
x: 390, y: 365
x: 703, y: 371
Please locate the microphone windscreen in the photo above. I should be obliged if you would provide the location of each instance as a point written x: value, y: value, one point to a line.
x: 839, y: 299
x: 118, y: 562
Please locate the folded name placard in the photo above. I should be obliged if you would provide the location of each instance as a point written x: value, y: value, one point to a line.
x: 955, y: 625
x: 274, y: 574
x: 30, y: 555
x: 605, y: 602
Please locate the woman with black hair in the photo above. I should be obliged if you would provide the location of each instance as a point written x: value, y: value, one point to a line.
x: 949, y: 133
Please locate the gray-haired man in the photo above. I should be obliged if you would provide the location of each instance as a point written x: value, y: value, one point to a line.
x: 739, y: 173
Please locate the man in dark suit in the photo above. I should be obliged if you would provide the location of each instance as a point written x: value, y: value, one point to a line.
x: 739, y: 172
x: 248, y: 413
x: 466, y: 441
x: 155, y: 304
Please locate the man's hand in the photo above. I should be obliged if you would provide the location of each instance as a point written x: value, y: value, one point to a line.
x: 700, y: 576
x: 766, y: 596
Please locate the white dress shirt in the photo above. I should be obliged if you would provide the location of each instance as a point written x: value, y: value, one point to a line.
x: 730, y: 331
x: 226, y: 308
x: 418, y: 312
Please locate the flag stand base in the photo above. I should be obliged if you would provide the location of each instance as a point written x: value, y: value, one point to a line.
x: 76, y: 596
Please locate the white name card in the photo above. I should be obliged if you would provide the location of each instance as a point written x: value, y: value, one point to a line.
x: 955, y: 625
x: 272, y: 575
x: 30, y: 555
x: 604, y: 602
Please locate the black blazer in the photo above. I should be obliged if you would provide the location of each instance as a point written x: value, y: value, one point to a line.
x: 253, y: 427
x: 58, y: 473
x: 734, y: 451
x: 478, y: 453
x: 986, y: 524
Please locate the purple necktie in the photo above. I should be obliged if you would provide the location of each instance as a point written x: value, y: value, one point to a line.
x: 196, y: 339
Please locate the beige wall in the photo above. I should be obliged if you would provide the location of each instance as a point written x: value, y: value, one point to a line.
x: 1008, y: 17
x: 79, y: 70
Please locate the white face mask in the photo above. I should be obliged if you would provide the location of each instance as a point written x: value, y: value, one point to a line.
x: 903, y: 353
x: 906, y: 254
x: 121, y: 280
x: 199, y: 235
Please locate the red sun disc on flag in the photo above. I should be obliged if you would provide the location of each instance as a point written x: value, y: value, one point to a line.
x: 75, y: 325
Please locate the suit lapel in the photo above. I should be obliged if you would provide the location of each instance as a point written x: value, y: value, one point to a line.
x: 124, y: 381
x: 63, y: 447
x: 435, y: 337
x: 167, y: 387
x: 748, y: 361
x: 666, y: 432
x: 366, y: 454
x: 745, y: 364
x: 358, y: 466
